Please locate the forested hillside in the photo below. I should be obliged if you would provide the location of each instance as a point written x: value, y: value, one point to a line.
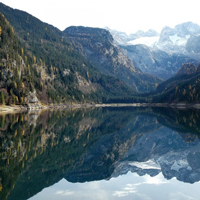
x: 58, y: 72
x: 17, y: 78
x: 183, y: 87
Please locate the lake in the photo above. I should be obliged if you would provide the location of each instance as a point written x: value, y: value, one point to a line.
x: 100, y: 153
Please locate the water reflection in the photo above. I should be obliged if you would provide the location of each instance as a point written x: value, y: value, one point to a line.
x: 39, y: 149
x: 126, y: 187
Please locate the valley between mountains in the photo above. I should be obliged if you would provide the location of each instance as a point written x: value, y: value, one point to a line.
x: 41, y: 65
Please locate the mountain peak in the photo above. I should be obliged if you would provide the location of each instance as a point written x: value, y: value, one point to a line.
x: 187, y: 28
x: 151, y: 33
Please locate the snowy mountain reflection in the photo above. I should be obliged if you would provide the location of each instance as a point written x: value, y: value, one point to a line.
x: 86, y: 146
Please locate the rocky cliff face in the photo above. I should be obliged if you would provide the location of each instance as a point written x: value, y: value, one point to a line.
x: 98, y: 46
x: 156, y: 62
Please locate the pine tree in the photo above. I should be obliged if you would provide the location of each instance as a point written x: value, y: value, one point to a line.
x: 2, y: 98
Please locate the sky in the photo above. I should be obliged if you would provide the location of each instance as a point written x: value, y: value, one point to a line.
x: 126, y: 187
x: 123, y: 15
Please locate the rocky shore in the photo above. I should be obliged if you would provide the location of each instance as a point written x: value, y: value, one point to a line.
x: 35, y: 107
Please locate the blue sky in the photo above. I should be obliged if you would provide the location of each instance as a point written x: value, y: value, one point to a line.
x: 123, y: 15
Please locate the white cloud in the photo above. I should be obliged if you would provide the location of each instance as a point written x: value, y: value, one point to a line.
x: 127, y: 190
x: 64, y: 192
x: 59, y: 192
x: 67, y: 193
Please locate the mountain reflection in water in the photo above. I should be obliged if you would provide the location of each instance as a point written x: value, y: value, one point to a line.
x: 38, y: 150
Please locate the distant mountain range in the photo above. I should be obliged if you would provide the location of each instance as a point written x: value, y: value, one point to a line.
x: 171, y: 40
x: 161, y: 54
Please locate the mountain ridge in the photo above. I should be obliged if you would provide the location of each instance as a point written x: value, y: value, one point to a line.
x: 109, y: 58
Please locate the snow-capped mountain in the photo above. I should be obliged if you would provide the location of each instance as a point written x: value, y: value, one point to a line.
x: 149, y: 41
x: 171, y: 40
x: 121, y: 38
x: 162, y: 54
x: 175, y: 39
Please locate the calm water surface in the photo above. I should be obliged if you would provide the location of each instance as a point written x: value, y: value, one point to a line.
x: 105, y: 153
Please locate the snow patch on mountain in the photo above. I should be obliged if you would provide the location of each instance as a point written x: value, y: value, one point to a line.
x: 170, y: 40
x: 149, y: 41
x: 180, y: 41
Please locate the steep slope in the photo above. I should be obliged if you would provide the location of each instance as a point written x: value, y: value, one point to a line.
x: 98, y: 46
x: 17, y: 79
x: 64, y: 74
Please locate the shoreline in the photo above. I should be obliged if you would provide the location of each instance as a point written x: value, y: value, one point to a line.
x: 4, y: 109
x: 164, y: 105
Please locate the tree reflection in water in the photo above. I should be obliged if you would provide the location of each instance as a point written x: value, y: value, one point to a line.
x: 39, y: 149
